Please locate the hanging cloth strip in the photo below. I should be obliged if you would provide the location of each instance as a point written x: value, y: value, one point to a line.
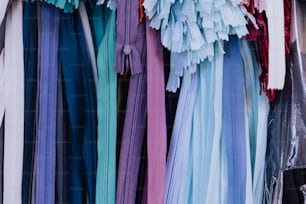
x: 107, y: 114
x: 1, y: 156
x: 206, y: 132
x: 131, y: 144
x: 30, y: 40
x: 277, y: 64
x: 131, y: 54
x: 89, y: 42
x: 157, y: 133
x: 4, y: 6
x: 287, y: 121
x: 12, y: 103
x: 233, y: 126
x: 257, y: 120
x: 46, y: 139
x: 62, y: 139
x: 68, y: 6
x: 177, y: 163
x: 80, y: 99
x: 189, y: 30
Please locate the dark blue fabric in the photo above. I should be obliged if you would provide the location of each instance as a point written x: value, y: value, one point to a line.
x: 233, y: 129
x: 81, y: 104
x: 30, y: 38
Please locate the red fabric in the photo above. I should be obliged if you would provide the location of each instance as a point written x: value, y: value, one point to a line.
x: 262, y: 39
x: 141, y: 11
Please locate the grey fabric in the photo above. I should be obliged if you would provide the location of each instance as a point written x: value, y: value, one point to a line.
x: 287, y: 118
x: 2, y: 29
x: 1, y: 158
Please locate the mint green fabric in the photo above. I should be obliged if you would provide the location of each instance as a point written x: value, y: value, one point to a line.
x: 107, y: 115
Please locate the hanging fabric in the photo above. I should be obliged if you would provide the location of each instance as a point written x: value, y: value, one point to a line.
x: 287, y: 128
x: 80, y: 99
x: 4, y: 6
x: 233, y: 126
x: 62, y: 138
x: 12, y: 103
x: 1, y: 156
x: 157, y: 134
x: 89, y: 42
x: 107, y: 115
x: 131, y: 56
x: 277, y: 64
x: 46, y: 138
x: 178, y: 171
x: 207, y: 123
x: 30, y: 41
x: 257, y: 108
x: 190, y: 29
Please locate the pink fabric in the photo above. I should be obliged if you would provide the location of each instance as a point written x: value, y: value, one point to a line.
x: 157, y: 136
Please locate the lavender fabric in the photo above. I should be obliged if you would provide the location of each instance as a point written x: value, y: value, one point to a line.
x: 130, y: 53
x: 46, y: 141
x: 130, y: 37
x: 1, y: 158
x: 132, y: 139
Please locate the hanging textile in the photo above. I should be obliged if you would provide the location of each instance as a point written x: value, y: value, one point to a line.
x: 190, y: 29
x: 178, y: 171
x: 277, y: 65
x: 81, y: 104
x: 107, y: 115
x: 286, y: 119
x: 206, y: 132
x: 46, y: 138
x: 12, y: 103
x: 157, y: 135
x: 62, y: 167
x: 257, y: 108
x: 131, y: 56
x: 233, y: 125
x: 89, y: 42
x: 30, y: 41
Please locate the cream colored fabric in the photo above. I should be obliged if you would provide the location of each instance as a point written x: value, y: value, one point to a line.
x: 277, y: 63
x: 12, y: 104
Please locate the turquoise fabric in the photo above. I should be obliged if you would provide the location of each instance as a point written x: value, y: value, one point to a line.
x: 107, y: 115
x: 68, y: 6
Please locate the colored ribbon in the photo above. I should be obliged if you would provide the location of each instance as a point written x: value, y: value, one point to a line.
x: 157, y: 133
x: 178, y: 171
x: 233, y: 126
x: 277, y: 64
x: 12, y: 103
x: 46, y: 138
x: 81, y: 104
x: 107, y: 114
x: 30, y: 40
